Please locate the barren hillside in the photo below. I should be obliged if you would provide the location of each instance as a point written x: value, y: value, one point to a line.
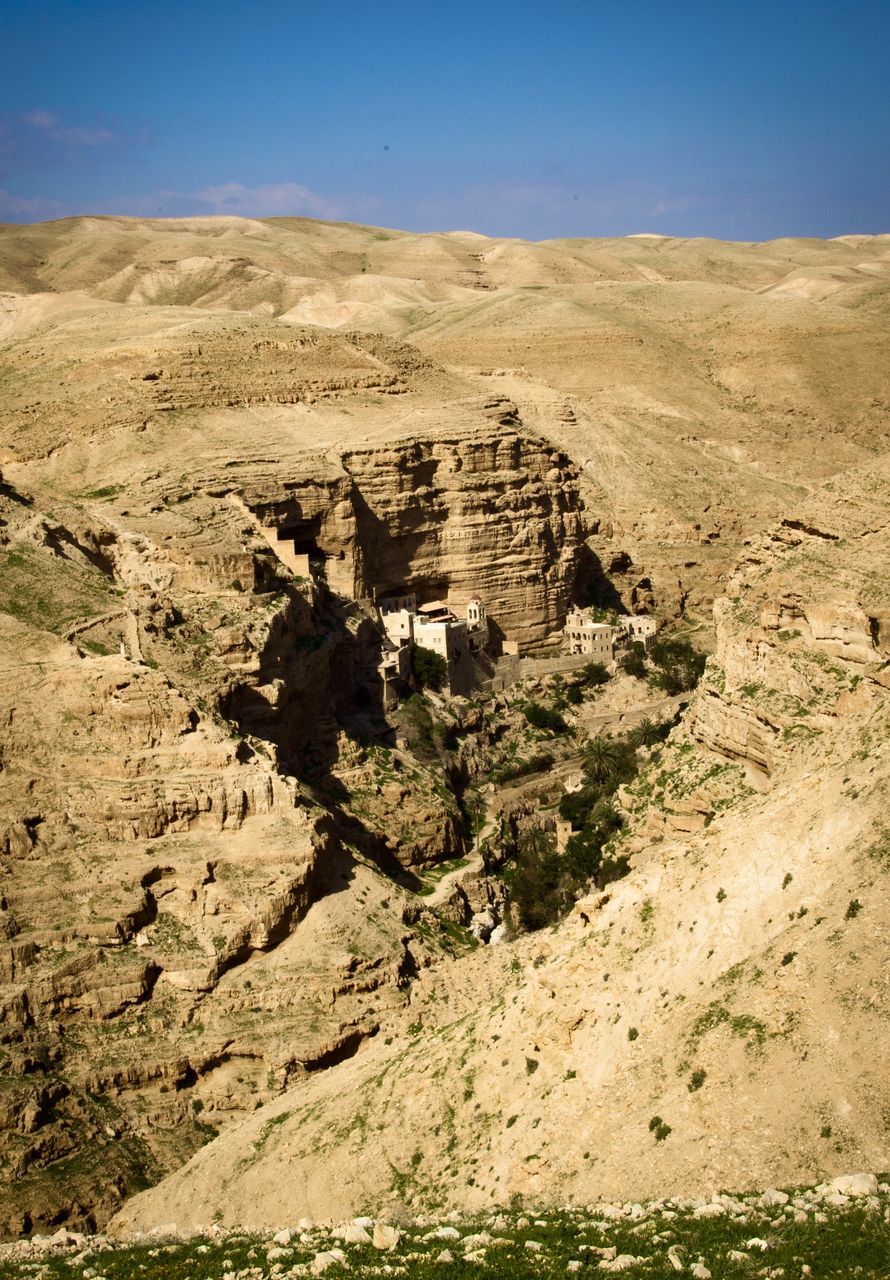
x: 219, y: 845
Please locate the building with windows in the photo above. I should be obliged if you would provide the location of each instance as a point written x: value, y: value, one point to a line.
x: 595, y: 640
x: 435, y: 626
x: 639, y: 628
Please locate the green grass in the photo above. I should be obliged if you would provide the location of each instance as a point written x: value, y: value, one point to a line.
x: 50, y: 592
x: 853, y: 1242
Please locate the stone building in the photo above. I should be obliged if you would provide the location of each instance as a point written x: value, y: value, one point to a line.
x: 639, y: 628
x: 435, y: 626
x: 595, y: 640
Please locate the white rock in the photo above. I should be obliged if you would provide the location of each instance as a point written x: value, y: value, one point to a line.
x: 272, y: 1255
x: 855, y: 1184
x: 355, y: 1233
x: 623, y: 1262
x: 533, y: 1246
x: 574, y: 1265
x: 736, y: 1255
x: 327, y: 1258
x: 444, y: 1233
x: 699, y: 1271
x: 712, y: 1210
x: 773, y: 1197
x: 385, y: 1237
x: 756, y: 1243
x: 474, y: 1242
x: 282, y: 1237
x: 836, y: 1199
x: 363, y: 1222
x: 445, y: 1256
x: 675, y: 1258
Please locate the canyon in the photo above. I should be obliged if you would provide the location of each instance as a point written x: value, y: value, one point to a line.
x: 239, y: 896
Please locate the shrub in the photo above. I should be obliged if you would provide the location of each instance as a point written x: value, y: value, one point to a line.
x: 633, y: 663
x: 537, y: 763
x: 680, y: 666
x: 543, y: 718
x: 594, y: 673
x: 697, y: 1079
x: 430, y: 668
x: 632, y: 1033
x: 853, y: 909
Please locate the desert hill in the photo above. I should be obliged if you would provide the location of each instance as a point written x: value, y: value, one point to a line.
x: 734, y: 984
x: 233, y: 883
x: 704, y: 382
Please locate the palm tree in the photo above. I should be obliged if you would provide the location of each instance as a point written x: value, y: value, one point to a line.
x: 602, y: 758
x: 645, y: 734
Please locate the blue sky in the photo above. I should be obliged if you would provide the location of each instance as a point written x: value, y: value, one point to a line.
x: 573, y: 117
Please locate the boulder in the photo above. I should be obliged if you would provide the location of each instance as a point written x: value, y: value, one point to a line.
x: 855, y: 1184
x: 385, y: 1237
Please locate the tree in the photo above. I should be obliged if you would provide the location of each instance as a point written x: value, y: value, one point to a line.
x: 602, y: 758
x: 680, y: 666
x: 595, y: 673
x: 543, y: 718
x: 430, y: 668
x: 633, y: 663
x: 648, y: 732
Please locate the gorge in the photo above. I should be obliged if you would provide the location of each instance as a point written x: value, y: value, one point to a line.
x: 241, y: 897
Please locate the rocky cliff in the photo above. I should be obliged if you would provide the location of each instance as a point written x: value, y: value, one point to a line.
x: 700, y: 1023
x: 198, y: 824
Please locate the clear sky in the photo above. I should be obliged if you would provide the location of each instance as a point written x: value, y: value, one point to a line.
x: 743, y: 120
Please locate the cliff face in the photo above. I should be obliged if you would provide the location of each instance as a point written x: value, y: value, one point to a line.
x: 489, y: 511
x: 189, y: 915
x: 726, y: 985
x: 802, y: 638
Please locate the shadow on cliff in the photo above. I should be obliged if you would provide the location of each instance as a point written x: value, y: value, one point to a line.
x: 316, y: 691
x: 593, y: 586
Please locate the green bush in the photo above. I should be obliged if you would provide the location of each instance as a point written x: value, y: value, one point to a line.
x: 537, y: 763
x: 430, y: 668
x: 543, y: 718
x: 633, y: 663
x: 594, y: 673
x: 680, y: 666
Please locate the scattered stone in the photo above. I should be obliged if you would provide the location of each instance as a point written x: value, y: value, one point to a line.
x: 772, y: 1197
x: 474, y: 1242
x: 327, y: 1258
x: 675, y: 1257
x: 699, y: 1271
x: 356, y: 1233
x: 855, y: 1184
x: 533, y: 1246
x: 623, y: 1262
x: 282, y: 1237
x: 385, y: 1237
x: 713, y: 1210
x: 445, y: 1256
